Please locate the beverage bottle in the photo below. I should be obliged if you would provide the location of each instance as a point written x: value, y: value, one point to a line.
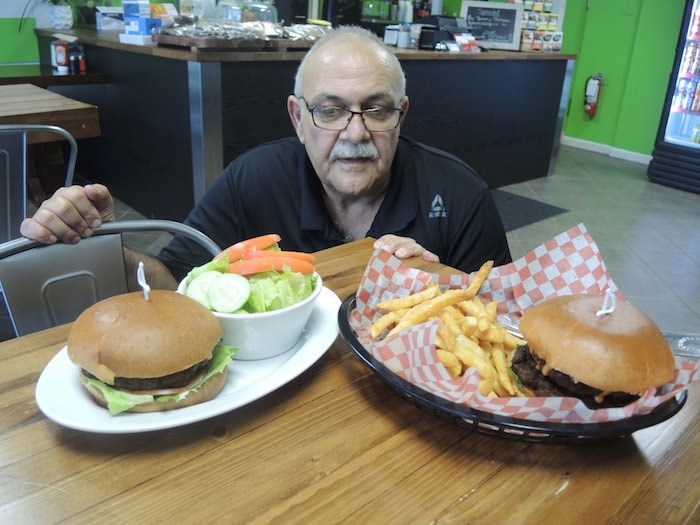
x: 408, y: 12
x: 688, y: 58
x: 695, y: 105
x: 694, y: 28
x: 688, y: 96
x: 695, y: 66
x: 677, y: 102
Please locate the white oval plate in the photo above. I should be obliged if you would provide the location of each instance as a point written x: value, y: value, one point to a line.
x: 62, y: 398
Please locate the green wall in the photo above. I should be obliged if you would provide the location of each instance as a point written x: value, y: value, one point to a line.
x: 18, y: 44
x: 632, y: 42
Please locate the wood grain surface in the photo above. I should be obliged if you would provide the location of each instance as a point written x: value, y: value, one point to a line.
x: 333, y: 446
x: 30, y: 104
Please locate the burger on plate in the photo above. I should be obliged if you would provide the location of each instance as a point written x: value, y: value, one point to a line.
x: 150, y: 355
x: 605, y: 360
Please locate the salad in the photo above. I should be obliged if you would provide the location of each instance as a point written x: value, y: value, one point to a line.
x: 252, y: 276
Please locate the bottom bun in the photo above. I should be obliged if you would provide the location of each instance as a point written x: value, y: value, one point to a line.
x: 207, y: 391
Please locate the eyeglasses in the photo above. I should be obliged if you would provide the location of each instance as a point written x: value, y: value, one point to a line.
x: 334, y: 118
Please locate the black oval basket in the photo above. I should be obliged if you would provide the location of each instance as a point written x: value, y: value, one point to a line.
x: 494, y: 424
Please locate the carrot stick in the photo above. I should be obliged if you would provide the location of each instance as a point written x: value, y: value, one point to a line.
x: 266, y: 264
x: 282, y: 253
x: 236, y: 251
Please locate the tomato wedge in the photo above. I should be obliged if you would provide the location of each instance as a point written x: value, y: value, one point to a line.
x: 236, y: 251
x: 267, y: 264
x: 303, y: 256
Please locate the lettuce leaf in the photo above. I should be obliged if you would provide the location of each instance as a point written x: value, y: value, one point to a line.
x: 120, y: 401
x: 275, y: 290
x: 216, y: 265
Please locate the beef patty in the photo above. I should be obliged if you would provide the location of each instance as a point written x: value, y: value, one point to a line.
x: 556, y: 384
x: 176, y: 380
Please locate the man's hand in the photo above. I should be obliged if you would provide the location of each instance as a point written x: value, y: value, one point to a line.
x: 70, y: 214
x: 404, y: 247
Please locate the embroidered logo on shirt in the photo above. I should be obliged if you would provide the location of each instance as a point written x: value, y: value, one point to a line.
x: 437, y: 208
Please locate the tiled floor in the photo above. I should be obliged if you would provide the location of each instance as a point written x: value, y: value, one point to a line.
x: 649, y: 235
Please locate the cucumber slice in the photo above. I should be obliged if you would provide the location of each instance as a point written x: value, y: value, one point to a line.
x: 198, y: 288
x: 228, y: 292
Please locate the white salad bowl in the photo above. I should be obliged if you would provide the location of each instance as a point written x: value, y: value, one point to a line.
x: 266, y: 334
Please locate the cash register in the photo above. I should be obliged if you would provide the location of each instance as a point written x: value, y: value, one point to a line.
x: 436, y: 30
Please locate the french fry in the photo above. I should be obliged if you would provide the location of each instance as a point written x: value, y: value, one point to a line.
x: 409, y: 301
x: 451, y: 320
x: 430, y: 308
x: 499, y: 360
x: 493, y: 334
x: 479, y: 278
x: 446, y: 337
x: 486, y: 388
x: 468, y: 333
x: 492, y: 311
x: 470, y: 356
x: 511, y: 342
x: 500, y: 389
x: 482, y: 325
x: 385, y: 321
x: 450, y: 362
x: 473, y: 307
x: 469, y: 325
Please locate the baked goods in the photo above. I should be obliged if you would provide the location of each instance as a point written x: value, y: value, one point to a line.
x: 606, y: 360
x: 149, y: 355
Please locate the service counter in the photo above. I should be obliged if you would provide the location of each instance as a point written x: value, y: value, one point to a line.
x: 173, y: 118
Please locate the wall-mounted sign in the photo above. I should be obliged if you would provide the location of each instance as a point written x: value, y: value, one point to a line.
x: 494, y: 25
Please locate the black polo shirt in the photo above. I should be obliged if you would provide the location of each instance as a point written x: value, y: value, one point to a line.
x: 433, y: 197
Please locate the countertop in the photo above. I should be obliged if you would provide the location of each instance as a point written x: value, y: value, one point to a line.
x: 110, y: 39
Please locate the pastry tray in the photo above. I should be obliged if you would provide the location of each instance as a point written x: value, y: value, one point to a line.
x: 222, y: 44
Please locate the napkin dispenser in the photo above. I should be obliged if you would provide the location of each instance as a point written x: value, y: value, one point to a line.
x: 437, y: 29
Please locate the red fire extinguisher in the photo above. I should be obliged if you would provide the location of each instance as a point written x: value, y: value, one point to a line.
x: 592, y: 94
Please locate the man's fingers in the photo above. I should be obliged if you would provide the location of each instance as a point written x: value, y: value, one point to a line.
x: 430, y: 256
x: 403, y: 247
x: 33, y: 230
x: 102, y: 209
x: 70, y: 214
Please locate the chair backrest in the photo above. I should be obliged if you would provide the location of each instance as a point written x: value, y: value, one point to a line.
x: 14, y: 143
x: 45, y: 285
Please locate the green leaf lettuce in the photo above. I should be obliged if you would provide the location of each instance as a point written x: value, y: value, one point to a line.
x: 120, y: 401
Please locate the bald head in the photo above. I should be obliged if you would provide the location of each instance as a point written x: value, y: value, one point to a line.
x: 350, y: 47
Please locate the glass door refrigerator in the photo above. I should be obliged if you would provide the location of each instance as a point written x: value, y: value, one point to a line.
x: 676, y: 156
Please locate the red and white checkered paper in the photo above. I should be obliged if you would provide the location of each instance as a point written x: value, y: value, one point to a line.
x: 570, y: 263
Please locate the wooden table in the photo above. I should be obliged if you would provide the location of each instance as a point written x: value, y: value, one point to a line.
x: 30, y: 104
x: 335, y: 445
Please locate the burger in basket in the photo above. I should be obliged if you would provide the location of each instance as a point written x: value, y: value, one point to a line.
x: 605, y: 352
x: 146, y: 355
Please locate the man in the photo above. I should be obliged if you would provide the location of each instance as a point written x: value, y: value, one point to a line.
x: 345, y: 176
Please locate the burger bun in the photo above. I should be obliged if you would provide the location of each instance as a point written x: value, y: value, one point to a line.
x: 622, y: 351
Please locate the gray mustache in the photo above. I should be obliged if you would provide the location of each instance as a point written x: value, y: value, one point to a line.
x: 348, y: 150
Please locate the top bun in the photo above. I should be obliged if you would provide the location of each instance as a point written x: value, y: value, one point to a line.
x: 619, y: 352
x: 128, y: 336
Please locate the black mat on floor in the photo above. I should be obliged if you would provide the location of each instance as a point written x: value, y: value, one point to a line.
x: 517, y: 211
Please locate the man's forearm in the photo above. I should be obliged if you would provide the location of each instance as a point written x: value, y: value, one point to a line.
x: 157, y: 274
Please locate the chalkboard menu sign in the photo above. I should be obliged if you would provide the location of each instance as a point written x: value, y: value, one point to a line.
x: 494, y: 25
